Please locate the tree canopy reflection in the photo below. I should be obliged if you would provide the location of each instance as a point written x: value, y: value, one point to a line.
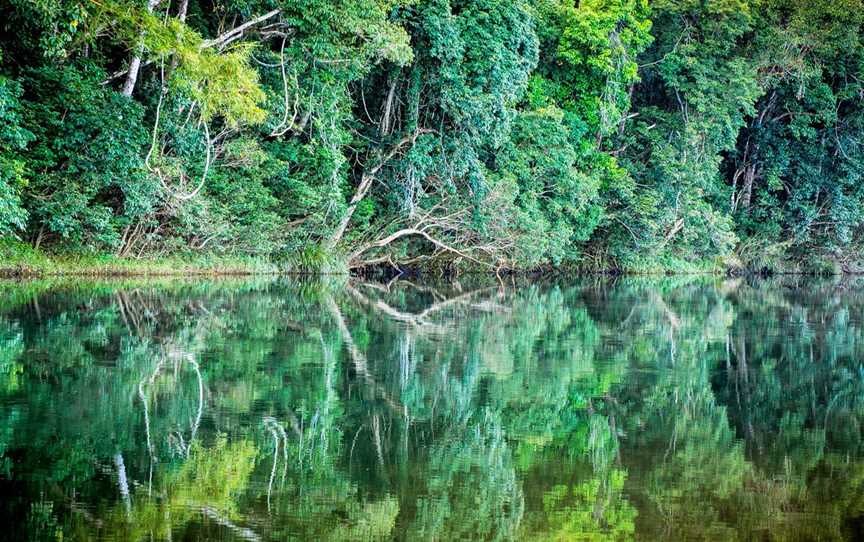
x: 599, y: 409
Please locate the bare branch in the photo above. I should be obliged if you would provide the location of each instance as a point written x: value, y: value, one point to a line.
x: 237, y: 32
x: 406, y: 232
x: 220, y: 41
x: 366, y: 182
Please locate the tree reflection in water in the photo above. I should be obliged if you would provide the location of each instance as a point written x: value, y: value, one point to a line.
x: 272, y: 410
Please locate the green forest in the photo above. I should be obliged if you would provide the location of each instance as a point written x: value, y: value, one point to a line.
x: 632, y: 135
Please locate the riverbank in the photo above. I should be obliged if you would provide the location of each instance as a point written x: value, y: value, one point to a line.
x: 21, y: 260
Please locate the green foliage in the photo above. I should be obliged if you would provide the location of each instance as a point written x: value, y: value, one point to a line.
x: 557, y: 203
x: 441, y: 133
x: 13, y: 138
x: 43, y: 29
x: 222, y: 84
x: 799, y: 157
x: 83, y: 159
x: 695, y: 96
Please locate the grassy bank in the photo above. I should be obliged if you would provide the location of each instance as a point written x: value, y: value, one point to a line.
x: 21, y: 260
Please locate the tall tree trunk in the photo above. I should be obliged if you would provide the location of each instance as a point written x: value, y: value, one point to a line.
x: 749, y: 176
x: 181, y: 15
x: 366, y: 182
x: 359, y: 194
x: 135, y: 63
x: 181, y: 11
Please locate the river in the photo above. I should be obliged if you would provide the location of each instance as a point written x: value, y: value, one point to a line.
x: 596, y: 408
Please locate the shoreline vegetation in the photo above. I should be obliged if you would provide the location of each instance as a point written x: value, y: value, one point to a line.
x: 19, y: 260
x: 440, y: 137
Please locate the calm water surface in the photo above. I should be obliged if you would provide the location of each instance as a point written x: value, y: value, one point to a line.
x: 596, y: 409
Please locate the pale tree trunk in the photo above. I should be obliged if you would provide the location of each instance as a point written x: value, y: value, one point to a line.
x: 181, y: 16
x: 747, y: 172
x: 135, y: 63
x: 749, y: 176
x: 181, y: 11
x: 366, y: 182
x: 386, y: 116
x: 359, y: 194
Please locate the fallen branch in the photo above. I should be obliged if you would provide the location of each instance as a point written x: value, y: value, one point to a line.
x: 361, y: 366
x: 244, y: 533
x: 366, y: 182
x: 414, y: 320
x: 404, y: 233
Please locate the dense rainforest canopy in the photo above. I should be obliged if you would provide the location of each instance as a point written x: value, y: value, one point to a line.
x: 631, y: 134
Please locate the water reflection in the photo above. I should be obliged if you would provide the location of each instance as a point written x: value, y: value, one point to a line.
x: 686, y: 408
